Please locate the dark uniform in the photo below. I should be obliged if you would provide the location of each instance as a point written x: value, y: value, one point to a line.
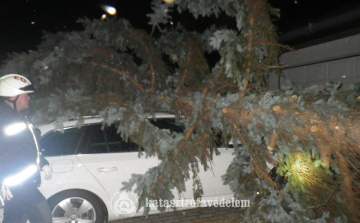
x: 18, y: 151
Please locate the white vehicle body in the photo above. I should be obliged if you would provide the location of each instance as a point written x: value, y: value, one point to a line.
x: 102, y: 174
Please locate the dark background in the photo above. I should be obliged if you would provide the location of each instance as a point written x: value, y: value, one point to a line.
x: 302, y: 23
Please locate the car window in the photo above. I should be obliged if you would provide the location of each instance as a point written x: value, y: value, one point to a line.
x: 116, y: 144
x: 107, y: 140
x: 58, y: 144
x: 91, y: 139
x: 94, y: 141
x: 168, y: 123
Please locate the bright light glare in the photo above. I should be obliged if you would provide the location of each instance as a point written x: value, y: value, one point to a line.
x: 20, y: 177
x: 103, y: 17
x: 15, y: 128
x: 109, y: 9
x: 169, y: 1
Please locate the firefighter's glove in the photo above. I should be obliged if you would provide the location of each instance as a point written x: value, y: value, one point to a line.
x: 47, y: 171
x: 6, y: 193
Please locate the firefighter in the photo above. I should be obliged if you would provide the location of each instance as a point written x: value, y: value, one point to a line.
x: 20, y: 159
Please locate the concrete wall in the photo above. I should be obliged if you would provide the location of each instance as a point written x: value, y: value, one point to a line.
x: 336, y: 61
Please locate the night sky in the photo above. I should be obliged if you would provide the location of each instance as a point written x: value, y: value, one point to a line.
x: 296, y: 13
x: 22, y: 21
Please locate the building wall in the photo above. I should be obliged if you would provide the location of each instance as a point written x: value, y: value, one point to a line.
x: 336, y: 61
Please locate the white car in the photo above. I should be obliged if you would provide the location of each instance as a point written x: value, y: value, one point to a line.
x: 90, y: 164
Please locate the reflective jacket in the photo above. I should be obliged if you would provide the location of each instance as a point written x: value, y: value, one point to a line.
x: 18, y: 147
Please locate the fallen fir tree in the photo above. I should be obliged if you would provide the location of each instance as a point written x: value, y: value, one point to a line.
x: 121, y: 73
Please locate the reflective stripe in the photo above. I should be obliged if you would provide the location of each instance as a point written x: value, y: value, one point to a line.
x: 20, y: 177
x: 2, y: 203
x: 15, y: 128
x: 31, y: 127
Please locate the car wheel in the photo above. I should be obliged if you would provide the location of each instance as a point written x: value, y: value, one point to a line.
x: 76, y: 206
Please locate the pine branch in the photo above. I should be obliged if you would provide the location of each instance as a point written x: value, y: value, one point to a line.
x: 327, y: 201
x: 245, y: 88
x: 136, y: 35
x: 325, y: 155
x: 111, y: 100
x: 258, y: 169
x: 334, y: 136
x: 346, y: 186
x: 182, y: 81
x: 273, y: 141
x: 353, y: 165
x: 296, y: 125
x: 131, y: 80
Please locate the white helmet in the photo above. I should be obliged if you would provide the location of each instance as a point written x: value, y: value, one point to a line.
x: 14, y: 84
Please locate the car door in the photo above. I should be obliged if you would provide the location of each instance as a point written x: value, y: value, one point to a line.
x: 60, y: 150
x: 110, y: 159
x: 211, y: 180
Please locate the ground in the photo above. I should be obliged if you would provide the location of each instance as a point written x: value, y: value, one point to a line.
x: 208, y: 214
